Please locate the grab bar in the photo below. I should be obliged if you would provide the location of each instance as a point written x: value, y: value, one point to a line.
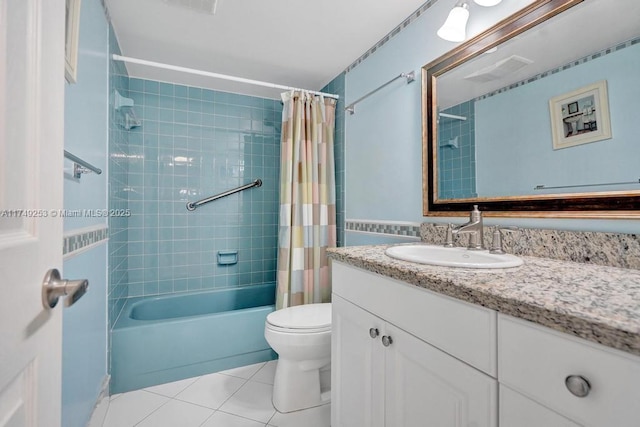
x: 544, y: 187
x: 410, y: 76
x: 191, y: 206
x: 80, y: 166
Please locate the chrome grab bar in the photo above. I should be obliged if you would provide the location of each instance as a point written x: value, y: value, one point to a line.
x: 544, y: 187
x: 191, y: 206
x: 80, y: 166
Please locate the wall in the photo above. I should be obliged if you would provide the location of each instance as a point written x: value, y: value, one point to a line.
x: 457, y: 160
x: 194, y: 143
x: 610, y: 160
x: 84, y: 340
x: 383, y: 138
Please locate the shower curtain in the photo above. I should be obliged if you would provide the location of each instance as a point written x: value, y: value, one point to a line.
x: 307, y: 225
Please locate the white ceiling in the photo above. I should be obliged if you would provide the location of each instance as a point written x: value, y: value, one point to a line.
x: 296, y: 43
x: 585, y: 29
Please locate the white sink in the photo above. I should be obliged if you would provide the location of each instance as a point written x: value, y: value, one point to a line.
x: 452, y: 257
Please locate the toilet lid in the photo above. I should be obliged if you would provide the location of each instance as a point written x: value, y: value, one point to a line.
x: 309, y: 316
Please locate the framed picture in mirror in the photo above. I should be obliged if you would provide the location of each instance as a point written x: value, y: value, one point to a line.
x: 72, y: 30
x: 581, y: 116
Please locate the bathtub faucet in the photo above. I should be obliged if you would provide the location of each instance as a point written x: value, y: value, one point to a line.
x: 473, y: 228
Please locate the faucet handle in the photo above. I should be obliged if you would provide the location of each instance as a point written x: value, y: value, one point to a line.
x: 448, y: 239
x: 496, y: 243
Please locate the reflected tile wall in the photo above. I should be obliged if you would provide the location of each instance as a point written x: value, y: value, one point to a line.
x: 457, y: 166
x: 194, y: 143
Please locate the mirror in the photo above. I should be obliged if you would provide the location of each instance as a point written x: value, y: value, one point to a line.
x: 535, y: 116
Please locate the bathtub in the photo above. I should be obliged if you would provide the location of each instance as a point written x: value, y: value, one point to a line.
x: 168, y: 338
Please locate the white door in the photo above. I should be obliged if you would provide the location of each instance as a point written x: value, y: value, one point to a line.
x: 427, y: 387
x: 357, y: 366
x: 517, y: 410
x: 31, y: 173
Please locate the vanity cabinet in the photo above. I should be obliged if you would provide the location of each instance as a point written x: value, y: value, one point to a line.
x: 383, y: 375
x: 405, y: 356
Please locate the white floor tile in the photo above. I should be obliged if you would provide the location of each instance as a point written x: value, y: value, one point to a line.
x: 211, y: 390
x: 222, y: 419
x: 245, y: 372
x: 266, y: 373
x: 252, y: 401
x: 131, y: 408
x: 314, y: 417
x: 176, y: 413
x: 99, y: 413
x: 173, y: 388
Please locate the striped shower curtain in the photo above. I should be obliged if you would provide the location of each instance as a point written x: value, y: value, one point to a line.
x: 307, y: 224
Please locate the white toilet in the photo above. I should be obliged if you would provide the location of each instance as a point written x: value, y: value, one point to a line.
x: 301, y: 335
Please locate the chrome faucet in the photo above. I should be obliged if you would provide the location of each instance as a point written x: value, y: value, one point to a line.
x: 474, y: 228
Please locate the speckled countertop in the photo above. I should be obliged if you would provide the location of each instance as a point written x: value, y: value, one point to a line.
x: 598, y: 303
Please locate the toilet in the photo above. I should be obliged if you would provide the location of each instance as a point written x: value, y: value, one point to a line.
x: 301, y: 335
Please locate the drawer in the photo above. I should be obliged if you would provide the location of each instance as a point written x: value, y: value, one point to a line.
x: 465, y: 331
x: 535, y: 361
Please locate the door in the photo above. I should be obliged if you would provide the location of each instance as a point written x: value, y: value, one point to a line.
x: 357, y: 366
x: 517, y: 410
x: 31, y: 173
x: 425, y: 386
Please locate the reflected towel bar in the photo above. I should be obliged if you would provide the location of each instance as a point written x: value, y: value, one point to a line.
x: 410, y: 76
x: 191, y: 206
x: 544, y: 187
x: 80, y: 166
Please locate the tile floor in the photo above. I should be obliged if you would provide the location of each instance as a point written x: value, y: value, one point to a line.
x: 239, y: 397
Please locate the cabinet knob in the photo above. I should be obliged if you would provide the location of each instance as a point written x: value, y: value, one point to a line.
x: 386, y: 340
x: 577, y: 385
x: 373, y: 332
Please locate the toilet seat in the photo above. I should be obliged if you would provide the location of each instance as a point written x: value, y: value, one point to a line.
x: 310, y: 318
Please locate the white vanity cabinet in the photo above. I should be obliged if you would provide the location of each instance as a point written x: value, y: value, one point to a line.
x: 535, y: 362
x: 403, y: 356
x: 385, y: 375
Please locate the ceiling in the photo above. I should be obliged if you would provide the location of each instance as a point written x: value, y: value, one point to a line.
x: 295, y: 43
x: 583, y: 30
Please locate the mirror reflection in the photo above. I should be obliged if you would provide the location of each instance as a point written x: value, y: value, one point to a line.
x: 551, y: 111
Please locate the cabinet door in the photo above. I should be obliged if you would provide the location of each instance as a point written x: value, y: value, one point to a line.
x: 427, y: 387
x: 517, y: 410
x: 357, y: 376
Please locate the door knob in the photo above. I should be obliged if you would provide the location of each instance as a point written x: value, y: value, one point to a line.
x: 53, y: 287
x: 386, y: 340
x: 373, y: 332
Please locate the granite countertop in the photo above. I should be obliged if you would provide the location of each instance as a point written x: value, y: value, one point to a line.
x: 597, y: 303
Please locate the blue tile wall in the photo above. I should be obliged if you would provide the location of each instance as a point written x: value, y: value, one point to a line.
x: 118, y: 187
x: 337, y: 86
x: 457, y: 166
x: 194, y: 143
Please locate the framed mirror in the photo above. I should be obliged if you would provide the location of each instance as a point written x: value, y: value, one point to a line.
x: 535, y: 117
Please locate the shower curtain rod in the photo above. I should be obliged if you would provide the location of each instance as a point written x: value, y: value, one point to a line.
x: 215, y: 75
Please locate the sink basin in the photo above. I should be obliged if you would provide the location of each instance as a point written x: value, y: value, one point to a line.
x: 452, y: 257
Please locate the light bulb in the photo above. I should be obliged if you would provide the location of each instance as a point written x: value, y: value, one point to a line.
x: 454, y: 28
x: 487, y: 3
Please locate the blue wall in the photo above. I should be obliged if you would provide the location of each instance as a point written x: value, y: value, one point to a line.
x: 611, y: 160
x: 383, y: 138
x: 84, y: 345
x: 194, y: 143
